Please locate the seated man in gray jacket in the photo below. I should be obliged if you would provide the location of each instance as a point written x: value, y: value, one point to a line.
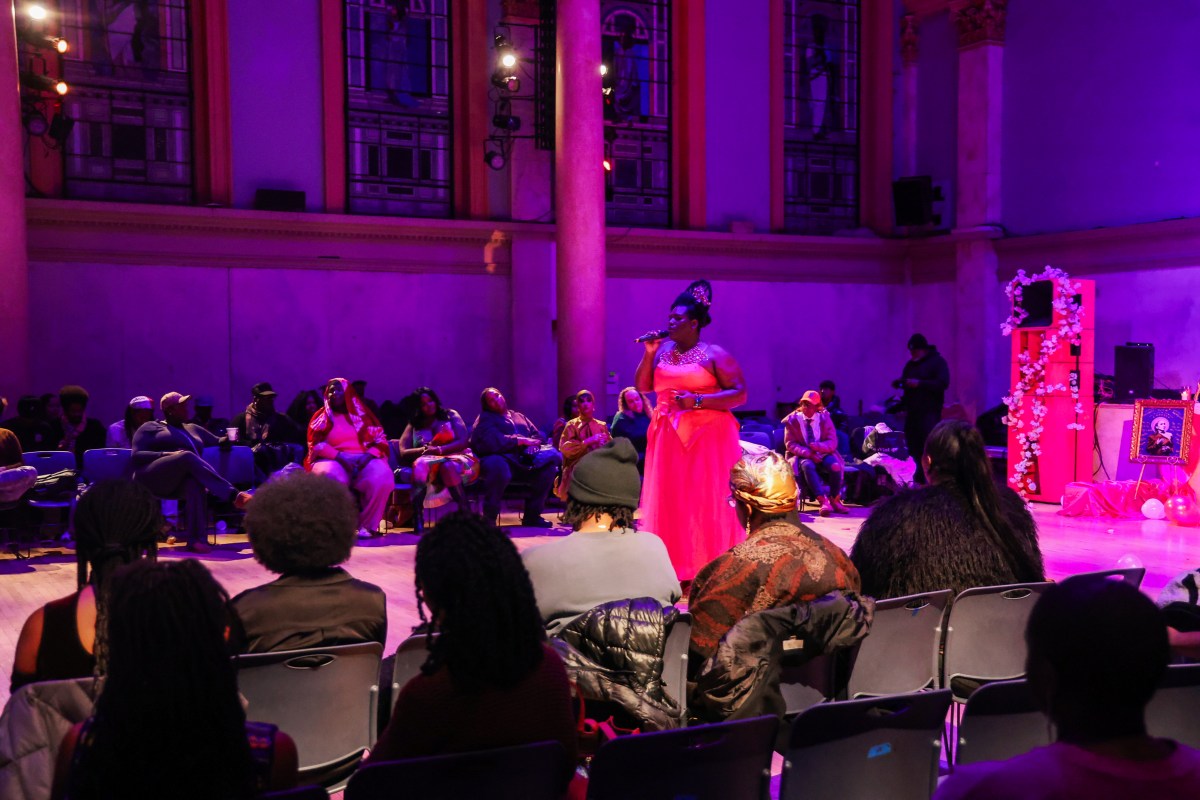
x: 167, y: 461
x: 606, y: 558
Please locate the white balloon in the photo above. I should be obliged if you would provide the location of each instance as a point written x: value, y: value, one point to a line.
x: 1129, y: 561
x: 1154, y: 509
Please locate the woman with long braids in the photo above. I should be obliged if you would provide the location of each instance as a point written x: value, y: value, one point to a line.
x: 693, y: 439
x: 490, y: 680
x: 116, y: 522
x: 168, y: 722
x: 961, y: 531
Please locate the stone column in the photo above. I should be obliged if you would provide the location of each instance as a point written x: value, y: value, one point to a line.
x: 980, y: 27
x: 909, y: 51
x: 14, y: 259
x: 579, y: 201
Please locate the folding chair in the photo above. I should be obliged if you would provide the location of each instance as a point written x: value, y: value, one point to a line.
x: 1131, y: 575
x: 723, y: 761
x: 1001, y: 720
x: 853, y: 749
x: 47, y: 462
x: 410, y: 655
x: 525, y: 772
x: 236, y: 465
x: 107, y: 463
x: 675, y: 660
x: 762, y: 438
x: 900, y: 654
x: 325, y: 698
x: 1174, y: 711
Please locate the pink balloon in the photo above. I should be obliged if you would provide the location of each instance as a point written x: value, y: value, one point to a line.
x: 1182, y: 510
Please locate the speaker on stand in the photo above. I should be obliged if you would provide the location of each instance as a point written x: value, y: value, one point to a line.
x: 1133, y: 372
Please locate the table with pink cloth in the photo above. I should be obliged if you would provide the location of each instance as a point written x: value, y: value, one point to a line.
x: 1119, y: 498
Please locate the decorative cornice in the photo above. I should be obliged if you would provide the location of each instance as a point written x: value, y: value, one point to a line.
x: 979, y: 21
x: 926, y: 8
x: 909, y: 39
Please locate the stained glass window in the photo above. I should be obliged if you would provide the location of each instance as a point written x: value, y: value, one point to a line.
x: 398, y: 138
x: 820, y: 138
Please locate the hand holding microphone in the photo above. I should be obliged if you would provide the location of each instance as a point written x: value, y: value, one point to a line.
x: 652, y: 336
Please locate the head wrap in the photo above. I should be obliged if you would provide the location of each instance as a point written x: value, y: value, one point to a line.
x: 764, y: 482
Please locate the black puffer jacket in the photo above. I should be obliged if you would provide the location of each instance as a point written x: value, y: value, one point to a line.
x: 614, y: 653
x: 741, y: 679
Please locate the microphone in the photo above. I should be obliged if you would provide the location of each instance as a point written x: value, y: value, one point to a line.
x: 651, y: 336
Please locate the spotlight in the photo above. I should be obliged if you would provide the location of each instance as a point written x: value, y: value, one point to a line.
x: 510, y: 83
x: 43, y: 83
x: 35, y: 11
x: 508, y: 60
x: 506, y: 122
x: 505, y: 52
x: 34, y: 122
x: 494, y: 158
x: 55, y: 43
x: 603, y: 69
x: 607, y: 165
x: 60, y: 128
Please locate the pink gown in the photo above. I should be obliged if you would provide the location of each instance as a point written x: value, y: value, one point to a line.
x: 685, y: 493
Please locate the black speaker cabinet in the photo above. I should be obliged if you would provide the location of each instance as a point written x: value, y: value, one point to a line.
x: 278, y: 200
x: 913, y: 198
x: 1133, y: 372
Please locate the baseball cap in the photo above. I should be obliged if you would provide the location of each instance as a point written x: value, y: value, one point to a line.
x: 918, y: 342
x: 172, y: 399
x: 811, y: 396
x: 141, y: 401
x: 263, y: 390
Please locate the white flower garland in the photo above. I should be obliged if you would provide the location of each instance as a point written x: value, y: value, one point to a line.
x: 1032, y: 377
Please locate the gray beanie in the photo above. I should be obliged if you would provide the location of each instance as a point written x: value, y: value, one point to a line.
x: 607, y: 476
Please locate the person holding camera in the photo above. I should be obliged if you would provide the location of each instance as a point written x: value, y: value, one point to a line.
x: 509, y: 445
x: 924, y: 380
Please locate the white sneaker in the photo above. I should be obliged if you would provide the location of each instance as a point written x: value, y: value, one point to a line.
x: 363, y: 533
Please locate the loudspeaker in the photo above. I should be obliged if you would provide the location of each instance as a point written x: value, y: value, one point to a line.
x: 913, y: 198
x: 1038, y: 301
x: 1133, y: 372
x: 278, y: 200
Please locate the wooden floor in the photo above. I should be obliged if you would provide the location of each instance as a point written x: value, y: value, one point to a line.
x: 1070, y: 545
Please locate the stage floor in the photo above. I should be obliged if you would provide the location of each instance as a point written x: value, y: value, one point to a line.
x: 1069, y: 545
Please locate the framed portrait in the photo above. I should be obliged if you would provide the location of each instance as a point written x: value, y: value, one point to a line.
x: 1162, y: 432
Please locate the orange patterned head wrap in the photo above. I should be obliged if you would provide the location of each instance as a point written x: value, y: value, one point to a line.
x: 764, y: 482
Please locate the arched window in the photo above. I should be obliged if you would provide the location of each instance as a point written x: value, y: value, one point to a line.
x: 820, y: 105
x: 398, y: 102
x: 636, y: 54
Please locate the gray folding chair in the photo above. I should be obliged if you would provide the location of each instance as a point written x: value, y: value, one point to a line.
x: 1174, y: 711
x: 325, y: 698
x: 107, y: 463
x: 675, y: 660
x: 410, y: 655
x: 525, y: 772
x: 756, y: 437
x: 235, y: 464
x: 1131, y: 575
x: 900, y: 654
x: 856, y: 748
x: 723, y: 761
x: 47, y: 462
x: 1002, y: 720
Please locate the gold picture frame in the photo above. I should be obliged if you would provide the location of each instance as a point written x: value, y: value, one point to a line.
x: 1162, y: 432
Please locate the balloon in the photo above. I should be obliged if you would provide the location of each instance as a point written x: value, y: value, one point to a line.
x: 1154, y: 509
x: 1182, y: 510
x: 1129, y: 561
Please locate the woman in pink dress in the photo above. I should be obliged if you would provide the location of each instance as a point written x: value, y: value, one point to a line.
x: 693, y: 439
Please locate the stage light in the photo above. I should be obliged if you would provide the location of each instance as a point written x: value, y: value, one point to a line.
x: 607, y: 165
x: 603, y: 69
x: 505, y: 52
x: 34, y: 122
x: 60, y: 128
x: 61, y: 87
x: 35, y: 11
x: 510, y: 83
x: 506, y: 122
x: 494, y: 159
x: 55, y: 43
x: 43, y: 83
x: 508, y: 60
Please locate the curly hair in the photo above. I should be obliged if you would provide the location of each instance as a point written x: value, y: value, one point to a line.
x: 170, y: 679
x: 73, y: 394
x: 473, y: 591
x: 301, y: 523
x: 695, y: 307
x: 623, y: 404
x: 577, y: 514
x: 417, y: 417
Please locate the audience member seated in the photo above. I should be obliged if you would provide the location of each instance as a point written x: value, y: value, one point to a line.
x: 962, y: 530
x: 347, y: 443
x: 490, y: 680
x: 1097, y: 652
x: 779, y: 564
x: 266, y: 431
x: 15, y: 478
x: 632, y: 421
x: 811, y: 441
x: 833, y: 405
x: 435, y: 443
x: 606, y: 558
x: 33, y: 432
x: 204, y: 416
x: 139, y: 411
x: 167, y: 461
x: 303, y: 406
x: 116, y: 523
x: 583, y: 434
x: 75, y: 431
x: 301, y: 527
x: 360, y: 388
x: 570, y: 410
x: 52, y: 411
x: 508, y: 446
x: 169, y: 721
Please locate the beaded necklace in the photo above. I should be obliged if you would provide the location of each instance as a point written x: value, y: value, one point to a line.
x: 696, y: 354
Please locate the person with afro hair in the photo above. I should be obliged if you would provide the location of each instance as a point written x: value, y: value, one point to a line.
x: 301, y: 527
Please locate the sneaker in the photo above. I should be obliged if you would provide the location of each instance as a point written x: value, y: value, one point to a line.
x: 826, y: 509
x: 838, y: 506
x: 536, y: 522
x: 200, y: 547
x: 363, y: 533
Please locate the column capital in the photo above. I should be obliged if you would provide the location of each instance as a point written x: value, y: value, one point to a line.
x: 512, y: 10
x: 909, y: 39
x: 979, y: 21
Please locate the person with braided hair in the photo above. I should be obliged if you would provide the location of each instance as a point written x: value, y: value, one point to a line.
x: 169, y: 720
x: 490, y: 679
x: 116, y: 522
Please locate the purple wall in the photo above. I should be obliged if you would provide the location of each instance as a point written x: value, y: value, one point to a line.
x: 1100, y: 116
x: 275, y: 98
x: 937, y: 109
